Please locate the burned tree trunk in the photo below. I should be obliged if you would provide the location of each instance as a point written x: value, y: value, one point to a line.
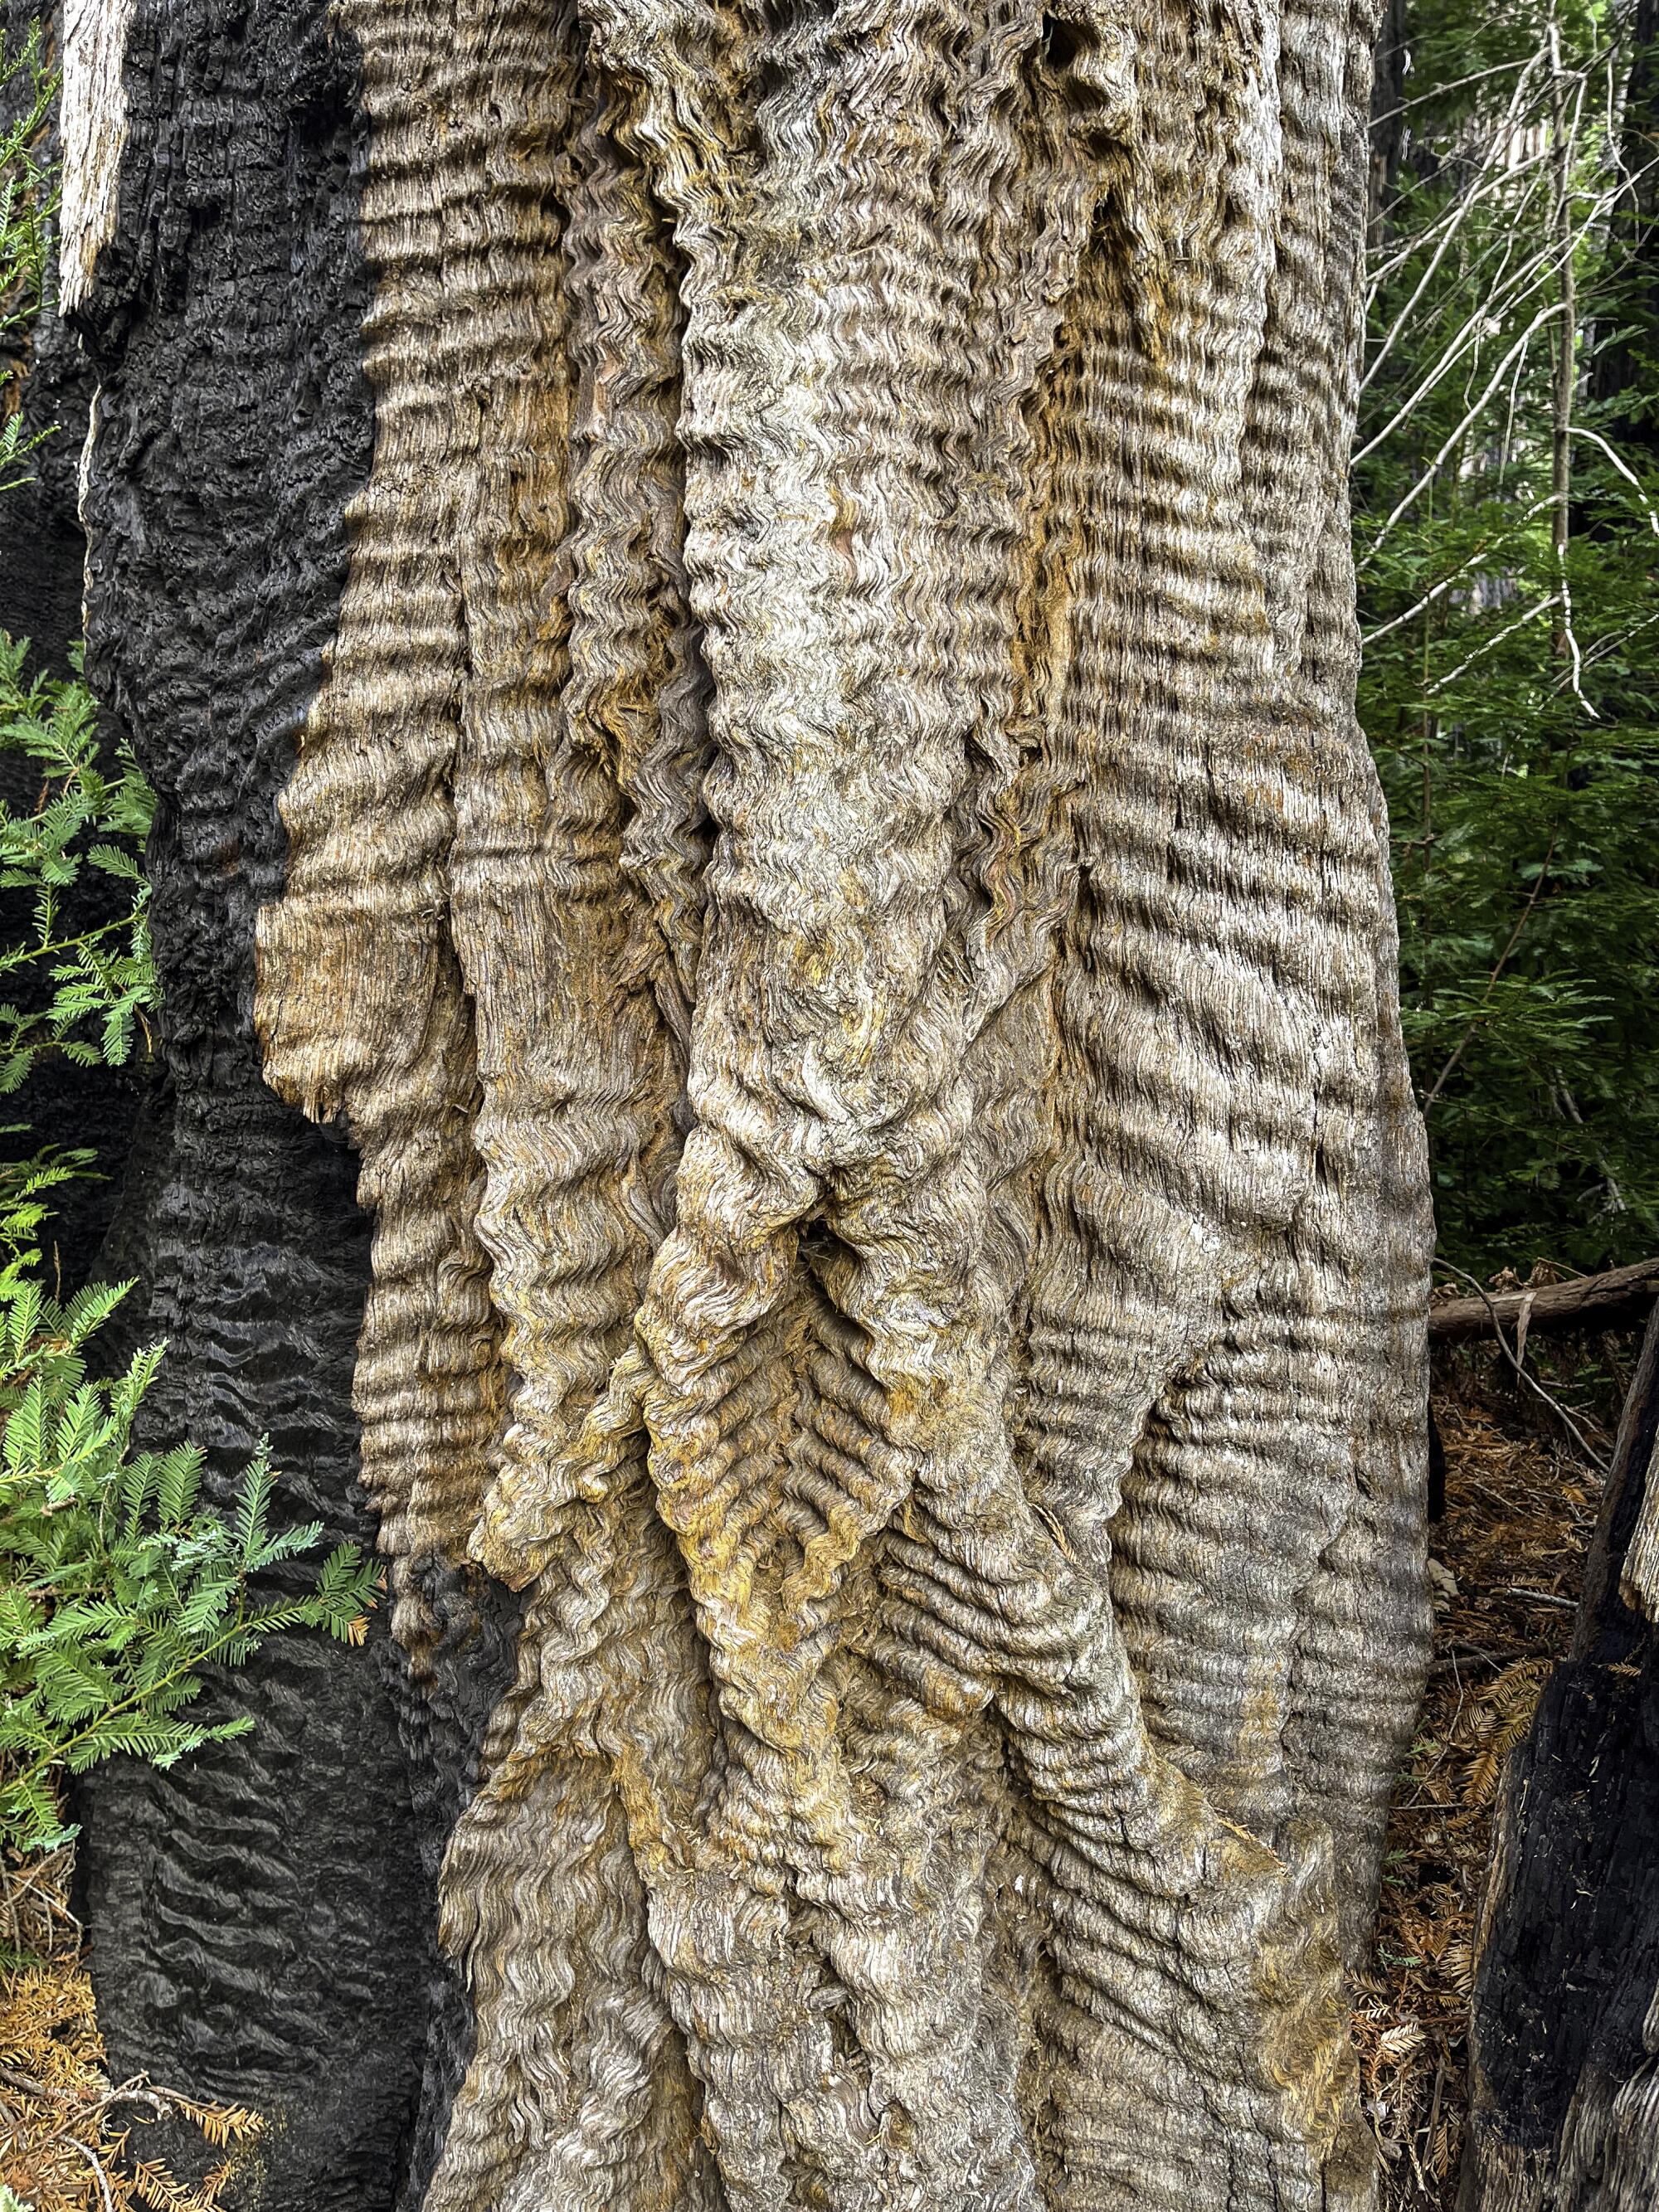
x: 833, y: 883
x: 1564, y: 2109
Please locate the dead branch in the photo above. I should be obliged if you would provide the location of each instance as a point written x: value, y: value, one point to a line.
x: 1587, y: 1301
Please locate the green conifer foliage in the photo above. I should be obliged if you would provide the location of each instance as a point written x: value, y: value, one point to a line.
x: 1507, y: 541
x: 119, y: 1585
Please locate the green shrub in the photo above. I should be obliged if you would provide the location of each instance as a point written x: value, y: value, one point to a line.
x: 29, y: 202
x: 119, y: 1585
x: 1506, y: 501
x: 93, y: 982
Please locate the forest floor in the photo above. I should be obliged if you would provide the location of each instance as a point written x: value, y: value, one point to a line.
x: 1507, y: 1564
x: 68, y: 2135
x: 1508, y: 1552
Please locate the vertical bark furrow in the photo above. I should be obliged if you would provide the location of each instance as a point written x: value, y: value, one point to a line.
x: 1298, y: 432
x: 810, y: 647
x: 1207, y: 1030
x: 1363, y: 1630
x: 362, y: 1010
x: 637, y: 675
x: 545, y: 1898
x: 534, y: 1906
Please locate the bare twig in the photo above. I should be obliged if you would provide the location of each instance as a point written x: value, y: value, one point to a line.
x: 1434, y: 2108
x: 1578, y: 430
x: 1409, y: 499
x: 95, y: 2162
x: 1565, y: 643
x: 1486, y: 546
x: 1498, y: 69
x: 1490, y: 644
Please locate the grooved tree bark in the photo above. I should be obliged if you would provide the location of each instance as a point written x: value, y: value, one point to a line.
x: 792, y: 562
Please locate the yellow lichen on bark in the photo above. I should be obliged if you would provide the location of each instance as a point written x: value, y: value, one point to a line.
x: 835, y: 882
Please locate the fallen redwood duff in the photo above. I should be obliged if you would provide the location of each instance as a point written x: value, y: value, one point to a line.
x: 1621, y: 1294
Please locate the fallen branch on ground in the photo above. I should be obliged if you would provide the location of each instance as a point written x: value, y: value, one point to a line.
x: 1590, y: 1301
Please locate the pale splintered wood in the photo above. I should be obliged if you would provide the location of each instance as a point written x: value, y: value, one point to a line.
x: 1640, y: 1582
x: 93, y: 119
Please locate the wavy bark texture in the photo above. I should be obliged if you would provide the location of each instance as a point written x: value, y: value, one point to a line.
x: 262, y: 1921
x: 836, y: 884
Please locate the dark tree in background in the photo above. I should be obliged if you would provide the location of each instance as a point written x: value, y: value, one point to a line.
x: 1565, y: 2104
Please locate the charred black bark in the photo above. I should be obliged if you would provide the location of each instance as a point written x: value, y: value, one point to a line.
x: 1566, y: 2025
x: 262, y: 1921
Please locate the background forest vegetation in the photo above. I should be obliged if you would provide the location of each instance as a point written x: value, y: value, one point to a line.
x: 1506, y: 534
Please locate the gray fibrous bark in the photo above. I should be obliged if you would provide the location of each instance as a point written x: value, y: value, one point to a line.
x: 834, y: 883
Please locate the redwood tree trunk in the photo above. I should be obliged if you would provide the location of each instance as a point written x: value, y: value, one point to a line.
x: 833, y: 883
x: 263, y: 1919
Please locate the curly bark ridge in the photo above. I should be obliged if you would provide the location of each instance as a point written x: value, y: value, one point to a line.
x: 835, y: 884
